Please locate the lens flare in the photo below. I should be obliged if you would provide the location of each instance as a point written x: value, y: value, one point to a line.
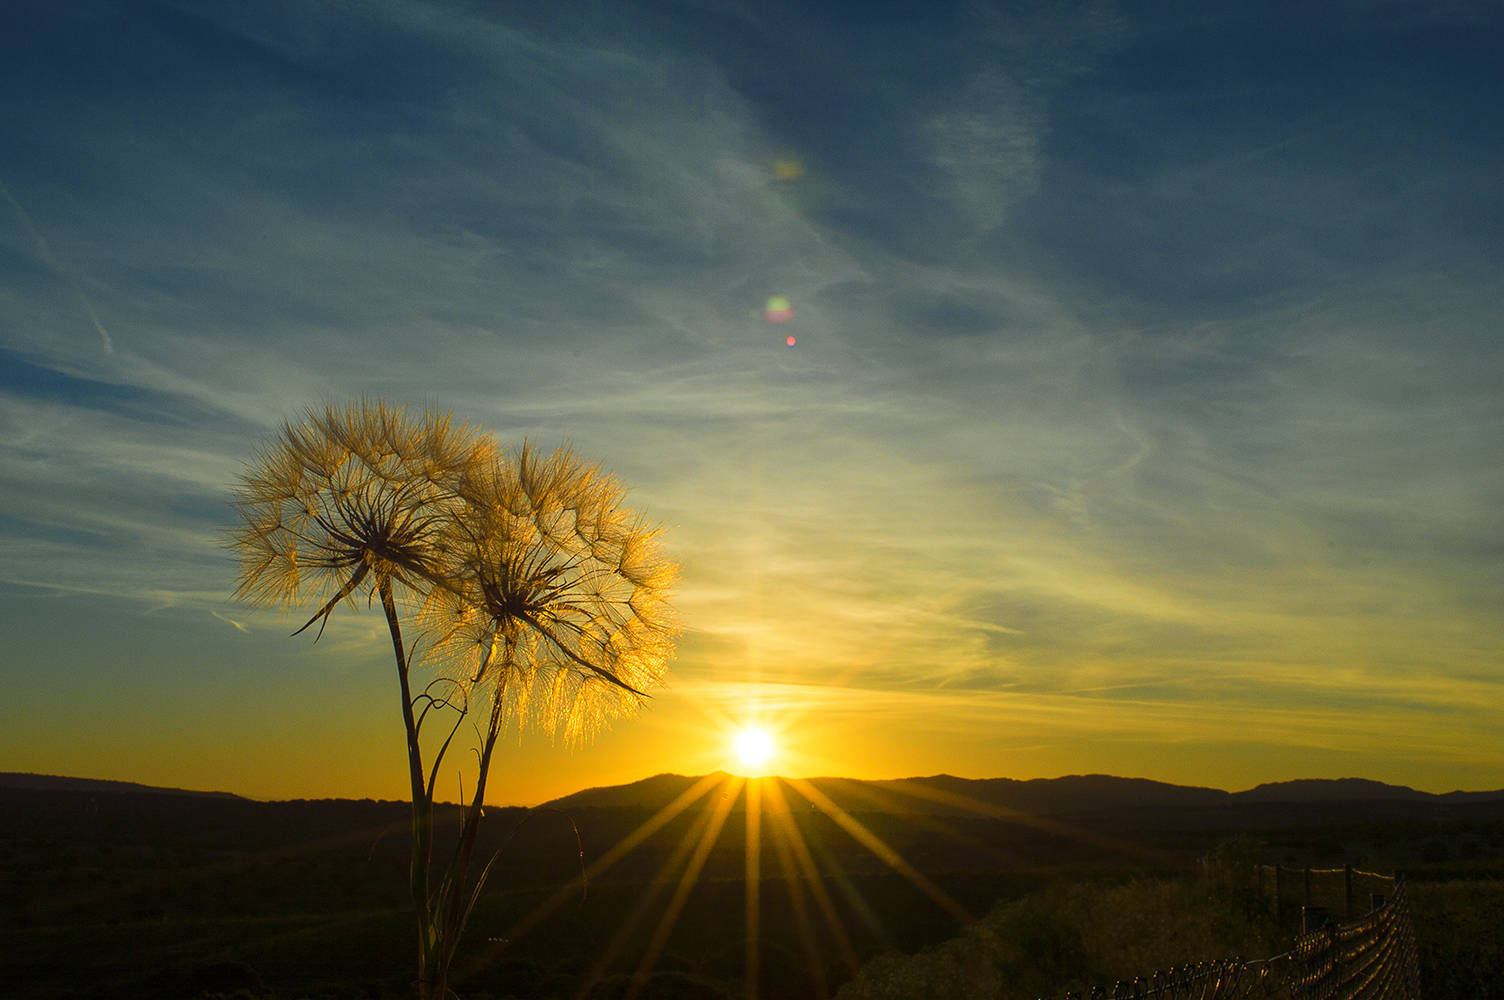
x: 778, y: 310
x: 788, y: 168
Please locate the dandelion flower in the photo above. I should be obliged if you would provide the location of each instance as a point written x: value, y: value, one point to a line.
x: 354, y: 494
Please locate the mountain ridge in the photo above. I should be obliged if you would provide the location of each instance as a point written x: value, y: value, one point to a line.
x: 26, y: 780
x: 936, y: 794
x: 946, y: 794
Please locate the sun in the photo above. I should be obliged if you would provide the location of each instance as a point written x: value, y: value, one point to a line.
x: 754, y: 748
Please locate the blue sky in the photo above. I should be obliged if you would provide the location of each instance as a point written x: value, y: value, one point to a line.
x: 1144, y: 415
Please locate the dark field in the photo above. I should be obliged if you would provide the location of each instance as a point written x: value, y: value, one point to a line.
x: 133, y: 895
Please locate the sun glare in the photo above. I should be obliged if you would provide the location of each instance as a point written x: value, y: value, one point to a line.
x: 754, y: 748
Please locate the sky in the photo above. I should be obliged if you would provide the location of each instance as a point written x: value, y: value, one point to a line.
x: 1142, y: 414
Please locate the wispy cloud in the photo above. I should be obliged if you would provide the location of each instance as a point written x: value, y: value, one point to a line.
x: 45, y: 253
x: 1133, y: 355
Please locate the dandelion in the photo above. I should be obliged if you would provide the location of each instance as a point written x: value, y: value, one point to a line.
x: 562, y: 602
x: 355, y: 494
x: 538, y: 590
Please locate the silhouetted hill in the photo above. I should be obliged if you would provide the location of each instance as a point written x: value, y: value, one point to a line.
x: 1076, y: 793
x: 650, y: 793
x: 1454, y: 798
x: 112, y: 889
x: 96, y: 786
x: 947, y: 795
x: 933, y: 795
x: 1338, y: 790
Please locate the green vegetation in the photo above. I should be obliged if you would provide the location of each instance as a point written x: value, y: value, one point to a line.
x: 1459, y: 930
x: 1070, y: 937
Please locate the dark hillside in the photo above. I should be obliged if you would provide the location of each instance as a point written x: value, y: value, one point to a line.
x: 947, y: 795
x: 133, y: 894
x: 1340, y: 789
x: 95, y: 786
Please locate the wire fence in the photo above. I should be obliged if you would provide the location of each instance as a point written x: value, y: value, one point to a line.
x: 1372, y: 957
x: 1322, y: 893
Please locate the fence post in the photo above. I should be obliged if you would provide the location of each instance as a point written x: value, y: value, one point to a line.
x: 1335, y: 945
x: 1347, y: 892
x: 1305, y: 899
x: 1276, y: 892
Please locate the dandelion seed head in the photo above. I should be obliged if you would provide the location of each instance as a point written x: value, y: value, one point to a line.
x: 532, y: 579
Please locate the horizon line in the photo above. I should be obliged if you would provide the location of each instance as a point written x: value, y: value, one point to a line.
x: 144, y: 787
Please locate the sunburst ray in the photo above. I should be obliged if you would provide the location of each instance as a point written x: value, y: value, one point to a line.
x: 752, y: 881
x: 791, y: 877
x: 880, y: 849
x: 686, y: 882
x: 1041, y: 823
x: 785, y: 827
x: 604, y: 863
x: 650, y: 895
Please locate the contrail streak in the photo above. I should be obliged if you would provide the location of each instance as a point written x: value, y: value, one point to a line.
x: 45, y: 253
x: 230, y: 621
